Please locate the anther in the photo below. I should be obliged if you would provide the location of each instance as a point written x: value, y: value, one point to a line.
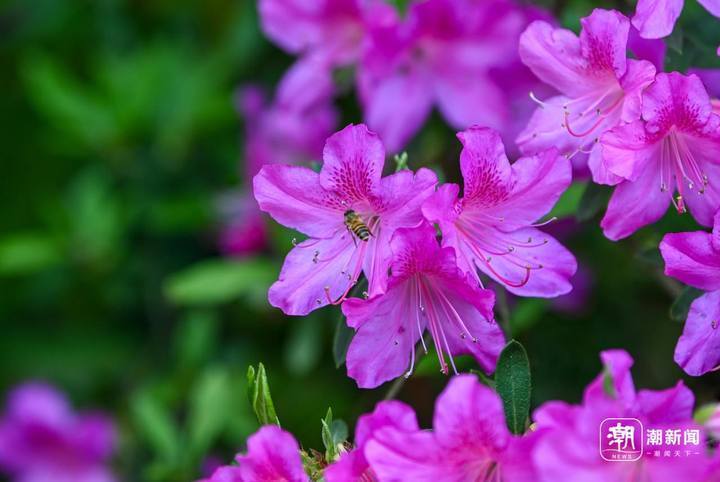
x: 294, y: 242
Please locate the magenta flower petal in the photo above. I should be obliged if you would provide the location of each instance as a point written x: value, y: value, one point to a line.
x: 656, y: 18
x: 353, y: 160
x: 652, y: 50
x: 397, y: 107
x: 692, y: 258
x: 466, y: 101
x: 698, y: 349
x: 273, y: 454
x: 616, y: 364
x: 635, y: 204
x: 575, y: 65
x: 667, y: 406
x: 353, y: 466
x: 292, y: 195
x: 309, y: 268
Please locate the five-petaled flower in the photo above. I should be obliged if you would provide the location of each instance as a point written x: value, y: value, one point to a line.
x: 694, y: 259
x: 599, y: 86
x: 324, y: 268
x: 674, y: 148
x: 426, y: 291
x: 491, y: 228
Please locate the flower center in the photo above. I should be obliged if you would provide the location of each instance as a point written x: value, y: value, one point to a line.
x: 679, y: 166
x: 432, y: 307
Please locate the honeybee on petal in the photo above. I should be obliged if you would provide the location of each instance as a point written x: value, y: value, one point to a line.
x: 355, y: 224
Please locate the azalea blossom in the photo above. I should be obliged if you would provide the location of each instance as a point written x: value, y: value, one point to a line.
x: 599, y: 86
x: 427, y: 291
x: 272, y: 455
x: 469, y: 442
x: 42, y: 440
x: 656, y: 18
x: 353, y: 465
x: 491, y: 227
x: 567, y: 445
x: 324, y: 268
x: 458, y: 55
x: 694, y: 259
x: 675, y: 148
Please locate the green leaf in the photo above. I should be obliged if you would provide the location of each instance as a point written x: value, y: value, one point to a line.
x: 675, y: 40
x: 341, y: 341
x: 681, y: 306
x: 209, y: 409
x: 594, y: 198
x: 703, y: 413
x: 153, y: 421
x: 25, y: 253
x: 608, y: 384
x: 259, y: 394
x: 512, y: 379
x: 334, y: 434
x: 219, y: 281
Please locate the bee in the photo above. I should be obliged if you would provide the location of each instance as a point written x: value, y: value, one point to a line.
x: 355, y: 224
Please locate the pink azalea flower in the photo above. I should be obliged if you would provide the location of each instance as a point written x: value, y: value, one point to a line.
x: 273, y: 455
x: 323, y: 269
x: 426, y: 291
x: 444, y: 53
x: 42, y: 440
x: 353, y: 466
x: 599, y: 86
x: 675, y: 147
x: 567, y: 445
x: 491, y: 228
x: 656, y: 18
x: 694, y: 259
x: 243, y: 228
x: 469, y: 442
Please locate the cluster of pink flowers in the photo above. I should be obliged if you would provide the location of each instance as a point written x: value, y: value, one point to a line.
x: 42, y: 440
x: 470, y: 442
x: 458, y: 55
x: 415, y: 283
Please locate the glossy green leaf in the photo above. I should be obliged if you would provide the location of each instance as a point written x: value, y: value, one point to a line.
x: 512, y: 380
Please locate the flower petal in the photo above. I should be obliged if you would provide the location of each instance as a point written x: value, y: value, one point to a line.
x: 635, y: 204
x: 692, y: 258
x: 551, y: 264
x: 485, y: 167
x: 399, y: 456
x: 467, y: 100
x: 698, y: 349
x: 293, y: 197
x: 469, y: 415
x: 674, y: 405
x: 627, y: 151
x: 676, y: 100
x: 309, y: 268
x: 616, y: 365
x: 537, y: 184
x: 638, y: 76
x: 353, y: 161
x: 652, y: 50
x: 273, y: 454
x: 656, y: 18
x: 385, y: 339
x: 603, y: 41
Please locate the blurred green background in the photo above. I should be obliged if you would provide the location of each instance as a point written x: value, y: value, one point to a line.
x: 117, y: 134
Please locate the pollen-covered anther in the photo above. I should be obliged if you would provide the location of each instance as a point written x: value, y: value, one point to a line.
x: 294, y: 242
